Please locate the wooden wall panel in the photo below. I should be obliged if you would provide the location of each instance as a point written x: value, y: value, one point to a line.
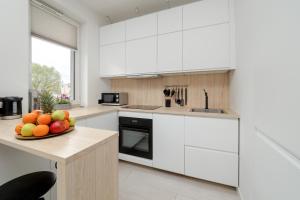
x: 149, y: 91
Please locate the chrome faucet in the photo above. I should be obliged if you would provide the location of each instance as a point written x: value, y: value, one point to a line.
x: 206, y: 99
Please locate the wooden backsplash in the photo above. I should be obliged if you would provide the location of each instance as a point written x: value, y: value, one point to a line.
x: 149, y: 91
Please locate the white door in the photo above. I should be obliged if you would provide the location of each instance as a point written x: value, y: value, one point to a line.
x: 112, y: 60
x: 113, y: 33
x: 205, y: 13
x: 216, y: 166
x: 206, y: 48
x: 168, y: 142
x: 170, y: 20
x: 169, y: 52
x: 141, y: 27
x: 141, y: 56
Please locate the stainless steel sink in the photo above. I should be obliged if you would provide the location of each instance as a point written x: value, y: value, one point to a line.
x: 211, y: 110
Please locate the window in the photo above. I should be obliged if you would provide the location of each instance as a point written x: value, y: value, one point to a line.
x: 53, y: 68
x: 54, y: 52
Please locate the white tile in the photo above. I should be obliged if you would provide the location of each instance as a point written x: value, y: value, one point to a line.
x: 144, y: 183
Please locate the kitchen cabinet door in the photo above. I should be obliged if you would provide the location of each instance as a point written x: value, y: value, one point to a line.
x: 81, y: 122
x: 141, y: 56
x: 170, y: 20
x: 168, y: 142
x: 211, y: 133
x: 169, y: 52
x: 112, y: 60
x: 220, y: 167
x: 205, y: 13
x: 141, y: 27
x: 112, y: 33
x: 108, y: 121
x: 206, y: 48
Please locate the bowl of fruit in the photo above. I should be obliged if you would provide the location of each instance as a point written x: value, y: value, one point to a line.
x: 36, y: 125
x: 45, y: 123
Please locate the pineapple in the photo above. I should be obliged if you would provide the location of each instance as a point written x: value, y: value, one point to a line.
x: 47, y: 101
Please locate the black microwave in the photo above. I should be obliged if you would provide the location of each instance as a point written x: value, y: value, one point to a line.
x: 114, y: 98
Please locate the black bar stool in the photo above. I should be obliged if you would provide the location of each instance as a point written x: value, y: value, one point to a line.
x: 28, y: 187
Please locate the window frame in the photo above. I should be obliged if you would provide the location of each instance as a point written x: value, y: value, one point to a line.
x: 75, y: 62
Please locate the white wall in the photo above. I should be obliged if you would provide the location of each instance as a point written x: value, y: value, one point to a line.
x: 265, y: 90
x: 14, y: 49
x: 91, y: 84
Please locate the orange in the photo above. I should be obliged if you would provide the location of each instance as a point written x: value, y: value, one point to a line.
x: 38, y: 112
x: 44, y: 119
x: 30, y: 118
x: 67, y: 114
x: 40, y: 130
x: 67, y: 124
x: 19, y: 128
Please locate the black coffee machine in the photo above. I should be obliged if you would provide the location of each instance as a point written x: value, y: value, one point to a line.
x: 11, y: 107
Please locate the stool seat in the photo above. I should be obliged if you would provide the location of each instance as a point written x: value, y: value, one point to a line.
x: 28, y: 187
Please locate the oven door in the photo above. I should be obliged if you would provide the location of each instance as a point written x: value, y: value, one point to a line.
x: 136, y: 142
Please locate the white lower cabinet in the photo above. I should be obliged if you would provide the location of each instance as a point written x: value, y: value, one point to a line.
x: 168, y: 142
x: 212, y: 133
x: 216, y: 166
x: 108, y: 121
x: 81, y: 122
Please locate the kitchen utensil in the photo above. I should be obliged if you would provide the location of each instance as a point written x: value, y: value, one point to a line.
x: 181, y: 100
x: 167, y: 92
x: 185, y: 101
x: 178, y: 100
x: 173, y: 92
x: 168, y: 103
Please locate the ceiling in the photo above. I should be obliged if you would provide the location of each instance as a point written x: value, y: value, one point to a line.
x: 118, y: 10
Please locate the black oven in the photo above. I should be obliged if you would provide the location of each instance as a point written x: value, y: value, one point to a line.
x: 136, y: 137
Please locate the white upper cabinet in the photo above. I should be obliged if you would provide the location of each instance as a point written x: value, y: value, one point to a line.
x: 141, y: 27
x: 169, y: 52
x: 205, y: 12
x: 141, y: 56
x: 206, y: 48
x: 193, y: 37
x: 112, y: 60
x: 112, y: 33
x: 170, y: 20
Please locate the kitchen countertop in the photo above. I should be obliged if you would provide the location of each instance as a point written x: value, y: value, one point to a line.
x: 63, y: 148
x: 82, y: 112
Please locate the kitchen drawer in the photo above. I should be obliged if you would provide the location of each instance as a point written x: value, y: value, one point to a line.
x: 216, y: 166
x: 211, y: 133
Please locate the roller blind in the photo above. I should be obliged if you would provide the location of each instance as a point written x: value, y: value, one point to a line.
x: 50, y: 27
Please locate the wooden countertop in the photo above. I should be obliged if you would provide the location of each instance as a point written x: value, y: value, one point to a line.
x: 63, y: 148
x: 186, y: 112
x: 79, y: 113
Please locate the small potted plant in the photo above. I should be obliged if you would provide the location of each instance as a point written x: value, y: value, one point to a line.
x: 62, y: 103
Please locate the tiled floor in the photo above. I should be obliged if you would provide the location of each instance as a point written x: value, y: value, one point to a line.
x: 143, y: 183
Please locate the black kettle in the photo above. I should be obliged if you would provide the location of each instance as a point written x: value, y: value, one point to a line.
x: 11, y: 107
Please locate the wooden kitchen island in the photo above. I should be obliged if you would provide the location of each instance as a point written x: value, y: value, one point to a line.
x: 87, y: 160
